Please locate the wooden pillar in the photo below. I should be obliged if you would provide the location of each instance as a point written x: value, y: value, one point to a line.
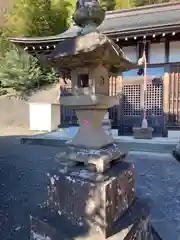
x: 120, y: 93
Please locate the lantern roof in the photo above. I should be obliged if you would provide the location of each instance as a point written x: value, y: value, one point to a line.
x: 91, y: 49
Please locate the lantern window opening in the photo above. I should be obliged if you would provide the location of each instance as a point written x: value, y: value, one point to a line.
x: 83, y: 81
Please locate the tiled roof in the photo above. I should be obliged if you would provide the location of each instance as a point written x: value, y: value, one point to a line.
x: 142, y: 20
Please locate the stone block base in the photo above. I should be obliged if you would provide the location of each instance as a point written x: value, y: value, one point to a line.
x: 142, y: 133
x: 86, y: 197
x: 134, y: 224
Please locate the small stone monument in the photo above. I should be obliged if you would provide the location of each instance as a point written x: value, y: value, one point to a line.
x: 91, y: 192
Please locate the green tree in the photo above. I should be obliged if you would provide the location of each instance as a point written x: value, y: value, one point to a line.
x: 21, y: 72
x: 148, y: 2
x: 121, y: 4
x: 108, y: 4
x: 116, y: 4
x: 39, y: 17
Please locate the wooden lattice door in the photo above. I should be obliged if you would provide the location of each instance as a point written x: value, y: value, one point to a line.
x: 133, y: 106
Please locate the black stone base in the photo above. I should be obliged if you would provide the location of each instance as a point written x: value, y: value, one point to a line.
x: 134, y: 224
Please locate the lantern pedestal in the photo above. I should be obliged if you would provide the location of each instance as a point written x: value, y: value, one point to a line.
x: 91, y: 146
x: 90, y: 110
x: 91, y: 133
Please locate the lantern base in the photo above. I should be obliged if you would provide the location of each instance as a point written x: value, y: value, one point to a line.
x: 92, y: 159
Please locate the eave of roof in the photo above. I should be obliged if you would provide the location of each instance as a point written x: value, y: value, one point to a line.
x: 124, y: 23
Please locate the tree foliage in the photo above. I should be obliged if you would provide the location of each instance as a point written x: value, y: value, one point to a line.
x: 39, y: 17
x: 21, y: 72
x: 148, y: 2
x: 122, y: 4
x: 117, y: 4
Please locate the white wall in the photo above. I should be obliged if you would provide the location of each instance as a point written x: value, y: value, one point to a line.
x: 157, y: 53
x: 174, y: 51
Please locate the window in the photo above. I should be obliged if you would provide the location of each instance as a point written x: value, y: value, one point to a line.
x: 157, y: 53
x: 131, y: 53
x: 83, y: 81
x: 174, y: 51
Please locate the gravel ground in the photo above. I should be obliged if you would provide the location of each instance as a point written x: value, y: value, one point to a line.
x: 22, y: 186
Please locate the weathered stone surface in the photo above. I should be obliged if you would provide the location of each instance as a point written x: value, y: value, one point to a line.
x: 98, y: 160
x: 90, y: 198
x: 92, y: 48
x: 134, y: 224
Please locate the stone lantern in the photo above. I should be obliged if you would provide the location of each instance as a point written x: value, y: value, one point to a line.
x: 92, y: 189
x: 90, y: 100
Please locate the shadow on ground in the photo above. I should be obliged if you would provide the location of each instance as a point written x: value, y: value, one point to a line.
x: 22, y: 184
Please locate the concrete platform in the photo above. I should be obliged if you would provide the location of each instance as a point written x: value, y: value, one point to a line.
x: 157, y: 144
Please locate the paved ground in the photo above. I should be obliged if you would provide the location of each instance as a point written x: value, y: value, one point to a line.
x: 158, y: 180
x: 127, y: 143
x: 22, y: 187
x: 14, y: 131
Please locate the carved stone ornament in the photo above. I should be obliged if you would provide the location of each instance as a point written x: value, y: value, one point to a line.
x: 88, y: 13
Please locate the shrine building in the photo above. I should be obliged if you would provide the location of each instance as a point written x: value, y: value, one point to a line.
x: 156, y: 26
